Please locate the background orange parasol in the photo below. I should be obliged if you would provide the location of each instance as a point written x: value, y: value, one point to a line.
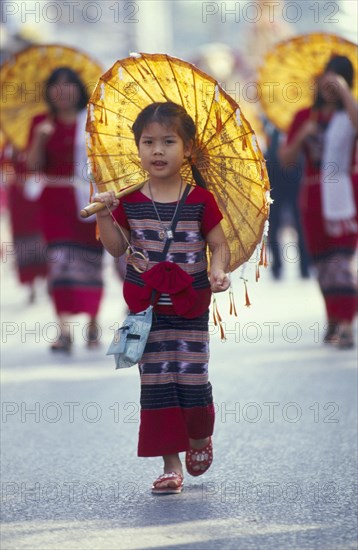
x: 226, y: 151
x: 288, y: 75
x: 23, y: 78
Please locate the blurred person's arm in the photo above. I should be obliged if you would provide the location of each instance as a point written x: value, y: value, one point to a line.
x: 347, y: 98
x: 289, y: 153
x: 35, y: 158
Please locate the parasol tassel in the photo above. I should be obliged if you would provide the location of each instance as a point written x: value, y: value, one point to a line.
x: 104, y: 111
x: 247, y: 299
x: 263, y: 255
x: 218, y: 320
x: 262, y: 172
x: 214, y: 316
x: 232, y: 303
x: 257, y: 274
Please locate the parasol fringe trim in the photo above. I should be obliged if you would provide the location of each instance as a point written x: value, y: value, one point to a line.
x: 214, y: 316
x: 232, y: 302
x: 238, y: 117
x: 255, y: 144
x: 269, y: 201
x: 266, y: 227
x: 218, y: 320
x: 263, y: 256
x: 217, y: 93
x: 247, y: 299
x: 91, y: 112
x: 88, y: 140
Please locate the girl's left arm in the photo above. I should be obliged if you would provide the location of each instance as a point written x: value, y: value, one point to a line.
x: 220, y: 259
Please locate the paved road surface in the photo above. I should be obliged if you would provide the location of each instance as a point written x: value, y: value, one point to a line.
x: 284, y: 475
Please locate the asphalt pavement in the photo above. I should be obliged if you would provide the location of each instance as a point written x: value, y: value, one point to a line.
x: 285, y: 442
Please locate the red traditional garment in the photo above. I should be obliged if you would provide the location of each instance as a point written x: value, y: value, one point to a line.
x: 74, y: 255
x: 332, y: 255
x: 24, y: 217
x: 176, y: 395
x: 190, y: 291
x: 27, y: 237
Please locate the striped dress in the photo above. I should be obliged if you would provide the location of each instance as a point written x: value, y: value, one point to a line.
x: 176, y: 395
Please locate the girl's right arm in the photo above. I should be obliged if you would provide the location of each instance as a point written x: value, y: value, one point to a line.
x: 112, y: 239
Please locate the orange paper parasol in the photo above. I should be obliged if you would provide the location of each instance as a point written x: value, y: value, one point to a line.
x: 287, y: 78
x: 23, y: 79
x: 226, y: 151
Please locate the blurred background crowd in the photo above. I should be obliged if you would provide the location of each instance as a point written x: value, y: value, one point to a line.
x: 228, y: 40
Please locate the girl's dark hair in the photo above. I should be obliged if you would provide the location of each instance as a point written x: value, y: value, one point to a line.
x: 171, y: 115
x: 342, y: 66
x: 72, y: 77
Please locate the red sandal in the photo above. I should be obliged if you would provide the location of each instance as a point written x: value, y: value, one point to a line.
x: 172, y: 477
x: 198, y: 461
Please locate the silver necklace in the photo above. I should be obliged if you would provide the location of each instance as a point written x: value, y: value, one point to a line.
x: 166, y: 231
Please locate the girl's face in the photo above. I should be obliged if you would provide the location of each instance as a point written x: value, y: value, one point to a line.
x: 162, y: 151
x: 63, y: 95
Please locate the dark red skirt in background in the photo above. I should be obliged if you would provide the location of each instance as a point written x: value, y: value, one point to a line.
x: 74, y: 255
x: 332, y: 256
x: 29, y: 245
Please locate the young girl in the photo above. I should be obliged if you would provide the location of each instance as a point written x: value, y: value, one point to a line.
x: 177, y: 411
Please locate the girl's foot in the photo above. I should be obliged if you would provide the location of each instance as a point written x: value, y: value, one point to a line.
x: 199, y: 457
x: 168, y: 483
x: 345, y: 336
x: 172, y: 480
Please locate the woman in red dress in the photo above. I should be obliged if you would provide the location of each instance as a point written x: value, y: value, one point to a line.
x: 56, y: 153
x: 24, y: 220
x: 326, y: 133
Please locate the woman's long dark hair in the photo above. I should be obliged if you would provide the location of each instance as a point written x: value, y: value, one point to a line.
x: 71, y: 77
x: 172, y: 115
x: 341, y: 65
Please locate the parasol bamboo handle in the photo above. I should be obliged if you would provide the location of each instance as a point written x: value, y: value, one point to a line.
x: 94, y: 207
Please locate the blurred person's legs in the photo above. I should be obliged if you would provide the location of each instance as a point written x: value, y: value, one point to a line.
x: 333, y: 259
x: 76, y: 287
x: 304, y: 256
x: 337, y: 284
x: 273, y: 240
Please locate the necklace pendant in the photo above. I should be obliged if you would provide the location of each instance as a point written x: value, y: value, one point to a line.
x: 162, y: 235
x: 169, y: 233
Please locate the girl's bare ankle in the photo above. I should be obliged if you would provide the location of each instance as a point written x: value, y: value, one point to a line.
x: 199, y: 443
x: 172, y: 463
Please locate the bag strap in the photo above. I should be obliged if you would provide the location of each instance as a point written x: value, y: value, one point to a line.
x: 168, y: 242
